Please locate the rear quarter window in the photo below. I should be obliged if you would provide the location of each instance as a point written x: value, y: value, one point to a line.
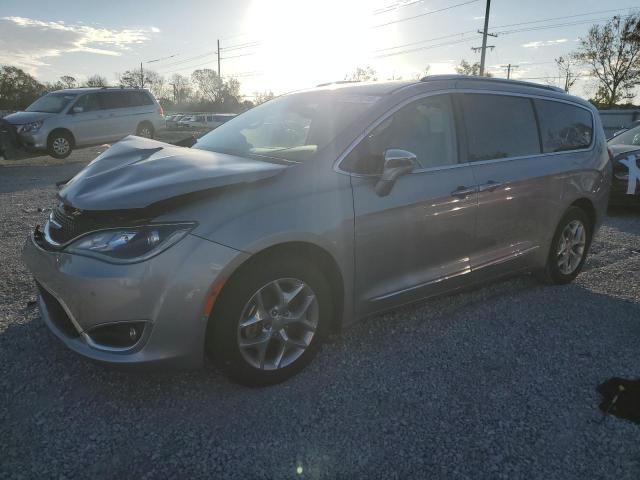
x: 499, y: 126
x: 563, y: 126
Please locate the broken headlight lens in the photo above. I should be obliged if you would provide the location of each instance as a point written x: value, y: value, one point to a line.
x: 130, y: 245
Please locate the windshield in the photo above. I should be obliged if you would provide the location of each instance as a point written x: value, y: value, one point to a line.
x: 630, y: 137
x: 291, y: 128
x: 51, y: 103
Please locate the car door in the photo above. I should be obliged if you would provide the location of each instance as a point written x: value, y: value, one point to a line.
x: 516, y: 187
x: 416, y: 240
x: 87, y: 118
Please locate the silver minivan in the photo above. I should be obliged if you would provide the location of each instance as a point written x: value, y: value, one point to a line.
x: 62, y: 120
x: 313, y: 210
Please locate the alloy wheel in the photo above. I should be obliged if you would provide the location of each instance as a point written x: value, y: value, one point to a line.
x: 571, y: 247
x: 278, y: 324
x: 60, y: 145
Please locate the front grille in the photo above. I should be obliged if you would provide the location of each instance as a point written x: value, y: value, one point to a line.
x: 57, y: 314
x: 68, y: 224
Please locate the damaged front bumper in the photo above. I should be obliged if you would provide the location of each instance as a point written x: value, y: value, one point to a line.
x: 163, y: 299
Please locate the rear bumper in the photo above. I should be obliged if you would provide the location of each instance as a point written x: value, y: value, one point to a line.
x: 167, y: 292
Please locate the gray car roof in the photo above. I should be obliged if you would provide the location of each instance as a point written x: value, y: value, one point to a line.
x: 97, y: 89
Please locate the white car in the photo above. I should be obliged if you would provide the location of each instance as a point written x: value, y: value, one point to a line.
x: 62, y: 120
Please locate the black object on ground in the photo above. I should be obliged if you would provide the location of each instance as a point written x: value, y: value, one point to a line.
x: 621, y: 398
x: 11, y: 146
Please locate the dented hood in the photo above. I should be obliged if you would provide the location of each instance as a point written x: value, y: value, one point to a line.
x: 137, y: 172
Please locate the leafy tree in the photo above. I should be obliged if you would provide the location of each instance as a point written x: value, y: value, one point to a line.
x: 362, y: 74
x: 18, y: 89
x: 68, y: 81
x: 466, y: 68
x: 612, y: 54
x: 96, y: 81
x: 208, y: 84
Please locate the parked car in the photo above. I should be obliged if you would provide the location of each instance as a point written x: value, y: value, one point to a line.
x: 313, y: 210
x: 206, y: 120
x: 62, y: 120
x: 625, y: 149
x: 172, y: 120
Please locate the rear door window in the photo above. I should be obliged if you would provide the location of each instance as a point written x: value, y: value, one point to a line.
x: 111, y: 100
x: 563, y: 126
x: 499, y: 126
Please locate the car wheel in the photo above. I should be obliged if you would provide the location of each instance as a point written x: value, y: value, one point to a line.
x: 145, y: 130
x: 569, y: 248
x: 59, y: 145
x: 269, y: 321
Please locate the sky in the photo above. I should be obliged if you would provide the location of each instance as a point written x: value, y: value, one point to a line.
x: 284, y: 45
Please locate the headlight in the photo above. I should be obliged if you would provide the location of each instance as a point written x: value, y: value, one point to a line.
x: 30, y: 127
x: 130, y: 245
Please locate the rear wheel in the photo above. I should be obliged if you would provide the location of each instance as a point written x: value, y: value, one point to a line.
x: 569, y: 248
x: 59, y: 144
x: 269, y: 321
x: 145, y: 129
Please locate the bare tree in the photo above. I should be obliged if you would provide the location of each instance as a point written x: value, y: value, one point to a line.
x: 96, y: 81
x: 261, y: 97
x: 424, y: 73
x: 68, y: 81
x: 466, y: 68
x: 362, y: 74
x: 612, y: 53
x: 181, y: 88
x: 566, y: 71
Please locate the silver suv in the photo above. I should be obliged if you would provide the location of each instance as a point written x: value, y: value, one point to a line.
x: 65, y: 119
x: 313, y: 210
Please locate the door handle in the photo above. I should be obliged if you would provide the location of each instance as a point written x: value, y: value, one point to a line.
x: 462, y: 192
x: 490, y: 186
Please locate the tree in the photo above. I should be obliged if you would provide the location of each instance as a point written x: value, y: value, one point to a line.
x: 362, y: 74
x: 261, y: 97
x: 612, y: 54
x: 566, y: 71
x: 181, y: 88
x: 18, y: 89
x: 96, y: 81
x: 424, y: 73
x: 208, y: 84
x: 68, y: 81
x: 466, y: 68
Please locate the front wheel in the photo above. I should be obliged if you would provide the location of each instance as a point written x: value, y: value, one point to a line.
x: 59, y: 145
x: 269, y: 321
x: 569, y: 248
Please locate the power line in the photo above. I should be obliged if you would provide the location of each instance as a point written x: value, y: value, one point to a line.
x: 558, y: 25
x: 426, y: 13
x: 427, y: 40
x: 396, y: 6
x: 428, y: 47
x: 563, y: 17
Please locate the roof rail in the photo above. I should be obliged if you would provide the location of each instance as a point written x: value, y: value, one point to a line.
x: 492, y: 79
x: 337, y: 82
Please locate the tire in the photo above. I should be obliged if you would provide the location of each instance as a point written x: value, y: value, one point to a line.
x: 559, y: 271
x: 280, y: 356
x: 145, y: 129
x: 59, y: 144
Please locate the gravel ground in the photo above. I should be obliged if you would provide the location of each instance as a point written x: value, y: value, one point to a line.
x: 495, y: 383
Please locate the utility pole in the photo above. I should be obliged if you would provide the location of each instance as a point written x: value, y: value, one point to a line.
x: 485, y: 32
x: 509, y: 67
x: 219, y: 72
x: 141, y: 76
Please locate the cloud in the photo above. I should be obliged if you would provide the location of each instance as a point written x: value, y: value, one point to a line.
x: 27, y: 43
x: 544, y: 43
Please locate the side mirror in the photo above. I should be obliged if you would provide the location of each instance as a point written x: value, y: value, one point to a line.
x: 78, y: 109
x: 396, y: 163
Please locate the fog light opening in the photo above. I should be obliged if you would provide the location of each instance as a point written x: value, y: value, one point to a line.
x: 117, y: 335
